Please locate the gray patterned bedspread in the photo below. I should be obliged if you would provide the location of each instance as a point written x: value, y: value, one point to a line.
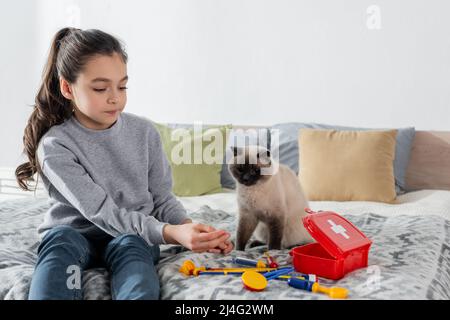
x: 409, y: 259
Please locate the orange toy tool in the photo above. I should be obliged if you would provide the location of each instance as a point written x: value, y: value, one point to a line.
x: 254, y: 281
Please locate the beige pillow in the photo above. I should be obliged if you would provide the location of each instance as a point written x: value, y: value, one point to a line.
x: 347, y: 165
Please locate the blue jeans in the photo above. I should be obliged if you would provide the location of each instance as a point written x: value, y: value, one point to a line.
x: 64, y: 253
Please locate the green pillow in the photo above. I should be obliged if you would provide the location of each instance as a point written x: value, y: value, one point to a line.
x: 195, y: 157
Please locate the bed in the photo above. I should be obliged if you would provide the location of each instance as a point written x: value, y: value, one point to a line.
x: 409, y: 257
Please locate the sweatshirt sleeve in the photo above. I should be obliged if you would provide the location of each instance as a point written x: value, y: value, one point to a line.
x: 167, y: 207
x: 69, y: 177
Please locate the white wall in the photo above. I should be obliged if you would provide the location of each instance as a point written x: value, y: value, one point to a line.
x: 249, y: 61
x: 17, y: 75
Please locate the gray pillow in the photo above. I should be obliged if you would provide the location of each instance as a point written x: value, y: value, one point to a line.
x: 285, y: 146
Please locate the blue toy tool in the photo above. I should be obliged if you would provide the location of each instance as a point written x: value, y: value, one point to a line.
x: 286, y: 277
x: 333, y: 292
x: 276, y: 273
x: 249, y: 262
x: 283, y: 274
x: 308, y: 277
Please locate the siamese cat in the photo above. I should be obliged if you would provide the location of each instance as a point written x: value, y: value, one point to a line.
x: 270, y: 200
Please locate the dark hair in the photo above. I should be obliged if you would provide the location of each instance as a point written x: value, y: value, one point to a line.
x: 69, y: 52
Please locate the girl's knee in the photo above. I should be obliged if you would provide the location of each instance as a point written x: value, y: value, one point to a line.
x: 130, y: 240
x: 65, y: 239
x: 64, y: 233
x: 131, y: 244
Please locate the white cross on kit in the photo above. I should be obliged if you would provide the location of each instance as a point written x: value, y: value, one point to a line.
x: 338, y: 229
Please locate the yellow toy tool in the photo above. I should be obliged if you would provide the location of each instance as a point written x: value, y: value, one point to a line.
x: 188, y: 268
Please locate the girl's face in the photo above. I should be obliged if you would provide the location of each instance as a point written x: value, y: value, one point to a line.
x: 99, y: 93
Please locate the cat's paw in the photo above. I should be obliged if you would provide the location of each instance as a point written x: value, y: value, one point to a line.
x: 256, y: 243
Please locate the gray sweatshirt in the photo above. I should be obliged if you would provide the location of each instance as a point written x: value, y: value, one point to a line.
x: 116, y: 180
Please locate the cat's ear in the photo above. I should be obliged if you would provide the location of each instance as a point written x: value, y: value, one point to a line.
x: 264, y: 153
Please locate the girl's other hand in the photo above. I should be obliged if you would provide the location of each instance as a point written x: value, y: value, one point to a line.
x: 195, y: 236
x: 224, y: 248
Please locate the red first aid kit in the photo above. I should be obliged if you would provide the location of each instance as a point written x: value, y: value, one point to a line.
x: 340, y: 247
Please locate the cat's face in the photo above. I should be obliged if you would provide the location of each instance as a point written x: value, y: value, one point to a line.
x: 248, y: 163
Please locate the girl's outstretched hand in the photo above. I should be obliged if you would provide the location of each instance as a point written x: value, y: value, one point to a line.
x: 225, y: 248
x: 197, y: 237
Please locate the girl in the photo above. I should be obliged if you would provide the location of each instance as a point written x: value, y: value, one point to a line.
x: 106, y: 171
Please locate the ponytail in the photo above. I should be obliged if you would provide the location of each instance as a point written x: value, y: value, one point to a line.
x: 69, y: 51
